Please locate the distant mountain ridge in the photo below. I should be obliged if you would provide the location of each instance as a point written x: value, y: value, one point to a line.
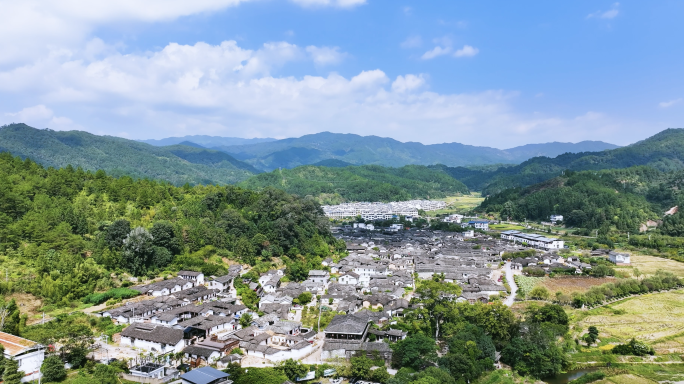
x: 362, y: 150
x: 205, y: 141
x: 663, y: 151
x: 177, y: 164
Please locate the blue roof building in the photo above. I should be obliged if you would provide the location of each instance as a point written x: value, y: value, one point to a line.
x: 205, y: 375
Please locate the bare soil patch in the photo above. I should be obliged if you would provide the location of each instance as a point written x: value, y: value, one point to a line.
x: 28, y: 304
x: 570, y: 284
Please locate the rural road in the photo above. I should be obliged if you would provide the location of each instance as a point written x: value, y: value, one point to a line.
x: 511, y: 282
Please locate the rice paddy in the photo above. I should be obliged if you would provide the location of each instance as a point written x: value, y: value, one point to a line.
x: 648, y: 265
x: 656, y: 318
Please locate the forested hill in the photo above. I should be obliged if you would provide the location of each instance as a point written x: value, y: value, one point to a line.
x: 663, y: 151
x: 362, y: 183
x: 176, y: 164
x: 622, y: 199
x: 363, y: 150
x: 66, y: 232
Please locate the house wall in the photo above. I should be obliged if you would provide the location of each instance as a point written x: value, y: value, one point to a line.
x: 30, y: 364
x: 148, y: 345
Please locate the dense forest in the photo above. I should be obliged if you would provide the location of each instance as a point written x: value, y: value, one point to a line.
x: 68, y: 232
x: 663, y: 151
x: 362, y: 183
x: 622, y: 199
x: 178, y: 164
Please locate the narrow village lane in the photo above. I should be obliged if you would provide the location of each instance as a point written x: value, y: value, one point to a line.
x: 511, y: 282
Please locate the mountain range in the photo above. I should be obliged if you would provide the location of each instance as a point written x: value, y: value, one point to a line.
x: 663, y: 151
x: 362, y: 150
x: 178, y: 164
x: 205, y: 141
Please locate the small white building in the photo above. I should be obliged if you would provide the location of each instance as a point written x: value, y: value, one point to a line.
x: 28, y: 354
x: 477, y: 224
x: 556, y: 218
x: 195, y: 277
x: 319, y: 276
x: 619, y: 258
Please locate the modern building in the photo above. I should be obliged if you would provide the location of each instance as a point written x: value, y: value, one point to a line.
x: 477, y: 224
x: 533, y: 240
x: 556, y: 218
x: 28, y: 354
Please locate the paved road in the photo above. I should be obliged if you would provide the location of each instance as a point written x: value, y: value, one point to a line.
x: 511, y: 282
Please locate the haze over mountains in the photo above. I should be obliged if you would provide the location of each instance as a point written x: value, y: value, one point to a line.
x: 362, y: 150
x: 205, y: 141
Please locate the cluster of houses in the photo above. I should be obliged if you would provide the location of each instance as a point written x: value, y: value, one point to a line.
x: 381, y: 211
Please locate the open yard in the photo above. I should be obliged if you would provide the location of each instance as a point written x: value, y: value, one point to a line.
x: 648, y: 265
x: 569, y: 284
x: 656, y: 318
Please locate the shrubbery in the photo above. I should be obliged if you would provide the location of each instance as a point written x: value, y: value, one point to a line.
x: 116, y: 293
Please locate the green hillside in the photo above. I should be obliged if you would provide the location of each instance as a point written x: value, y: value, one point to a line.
x: 663, y: 151
x: 176, y: 164
x: 360, y: 183
x: 363, y: 150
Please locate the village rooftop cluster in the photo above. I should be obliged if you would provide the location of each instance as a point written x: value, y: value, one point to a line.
x: 382, y: 211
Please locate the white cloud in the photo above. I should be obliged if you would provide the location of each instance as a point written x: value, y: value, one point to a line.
x: 333, y: 3
x: 609, y: 14
x: 325, y: 55
x: 227, y: 90
x: 436, y: 52
x: 412, y: 42
x: 31, y: 28
x: 408, y: 83
x: 668, y: 104
x: 466, y: 51
x: 39, y: 114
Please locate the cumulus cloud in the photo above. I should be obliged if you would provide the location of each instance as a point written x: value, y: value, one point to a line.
x: 31, y: 28
x: 436, y: 52
x: 225, y: 89
x: 325, y: 55
x: 408, y: 83
x: 609, y: 14
x: 39, y: 114
x: 466, y: 51
x: 668, y: 104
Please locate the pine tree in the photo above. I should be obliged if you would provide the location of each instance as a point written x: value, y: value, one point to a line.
x: 12, y: 374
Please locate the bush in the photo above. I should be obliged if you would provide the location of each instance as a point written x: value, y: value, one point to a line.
x: 634, y: 347
x: 53, y: 369
x: 539, y: 293
x: 589, y: 378
x: 116, y: 294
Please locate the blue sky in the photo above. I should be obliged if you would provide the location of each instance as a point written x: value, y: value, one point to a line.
x: 495, y: 74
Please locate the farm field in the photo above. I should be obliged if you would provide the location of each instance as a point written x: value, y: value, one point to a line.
x: 657, y: 319
x: 464, y: 202
x: 648, y: 265
x: 506, y: 227
x: 569, y: 285
x: 625, y: 379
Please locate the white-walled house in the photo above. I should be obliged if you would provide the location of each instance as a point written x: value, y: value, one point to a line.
x: 195, y: 277
x: 150, y: 336
x: 319, y: 276
x: 619, y: 258
x: 28, y: 354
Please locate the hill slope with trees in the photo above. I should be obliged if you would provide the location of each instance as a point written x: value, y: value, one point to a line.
x: 176, y: 164
x: 65, y: 233
x: 362, y: 183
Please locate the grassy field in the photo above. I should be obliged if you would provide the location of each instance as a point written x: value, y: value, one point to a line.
x: 656, y: 318
x: 569, y: 285
x: 502, y: 376
x: 625, y: 379
x: 648, y: 265
x: 463, y: 202
x: 506, y: 227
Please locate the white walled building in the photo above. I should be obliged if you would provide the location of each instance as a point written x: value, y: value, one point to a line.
x: 150, y: 336
x: 28, y: 354
x: 533, y: 240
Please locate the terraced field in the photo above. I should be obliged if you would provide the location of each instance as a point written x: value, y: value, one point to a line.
x: 656, y: 318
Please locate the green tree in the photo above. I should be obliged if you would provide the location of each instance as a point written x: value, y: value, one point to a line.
x: 436, y: 297
x: 53, y: 368
x: 292, y: 369
x: 105, y: 374
x: 415, y: 352
x: 246, y: 320
x: 304, y: 298
x: 539, y: 293
x: 380, y: 375
x: 12, y: 375
x: 117, y: 232
x: 261, y: 376
x: 360, y: 367
x: 137, y: 251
